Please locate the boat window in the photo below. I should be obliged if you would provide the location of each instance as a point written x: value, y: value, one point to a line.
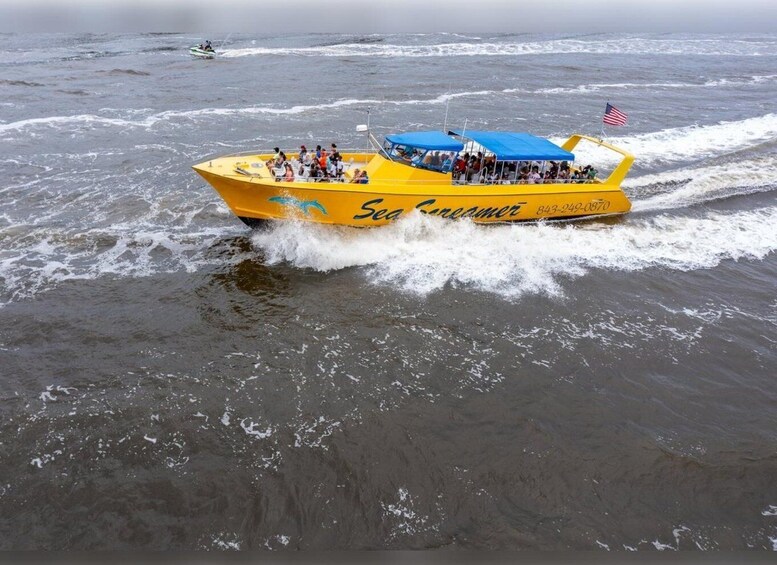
x: 421, y: 157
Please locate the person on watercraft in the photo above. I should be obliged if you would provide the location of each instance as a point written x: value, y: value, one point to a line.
x: 358, y: 177
x: 207, y: 46
x: 289, y: 174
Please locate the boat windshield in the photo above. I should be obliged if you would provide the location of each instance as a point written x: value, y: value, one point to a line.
x: 433, y: 150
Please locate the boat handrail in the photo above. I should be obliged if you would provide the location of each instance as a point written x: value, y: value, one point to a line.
x: 419, y: 182
x: 257, y: 152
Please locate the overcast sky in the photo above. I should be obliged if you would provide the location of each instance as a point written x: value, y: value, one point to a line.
x: 386, y: 16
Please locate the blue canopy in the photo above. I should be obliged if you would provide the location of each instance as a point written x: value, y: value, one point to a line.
x: 512, y: 146
x: 436, y: 140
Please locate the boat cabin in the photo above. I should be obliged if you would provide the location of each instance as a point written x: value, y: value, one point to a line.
x: 431, y: 150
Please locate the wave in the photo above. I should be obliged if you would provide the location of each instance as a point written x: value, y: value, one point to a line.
x: 49, y: 257
x: 691, y: 186
x: 91, y: 120
x: 722, y: 82
x: 132, y: 72
x: 422, y: 255
x: 673, y: 144
x: 19, y: 83
x: 623, y: 46
x: 350, y: 41
x: 584, y: 88
x: 87, y: 121
x: 756, y: 79
x: 688, y: 143
x: 418, y: 254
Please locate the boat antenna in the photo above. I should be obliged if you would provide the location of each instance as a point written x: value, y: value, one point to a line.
x: 445, y: 123
x: 366, y: 128
x: 369, y: 133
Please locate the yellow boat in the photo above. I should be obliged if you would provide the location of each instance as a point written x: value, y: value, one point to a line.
x: 422, y: 171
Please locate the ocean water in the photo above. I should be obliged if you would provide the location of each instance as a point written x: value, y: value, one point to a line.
x: 173, y: 380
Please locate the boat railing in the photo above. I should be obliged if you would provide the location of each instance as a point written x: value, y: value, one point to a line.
x: 619, y: 173
x: 420, y: 182
x: 448, y: 178
x: 258, y: 152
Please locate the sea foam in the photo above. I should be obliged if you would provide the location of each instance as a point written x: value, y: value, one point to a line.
x: 622, y: 46
x: 421, y: 254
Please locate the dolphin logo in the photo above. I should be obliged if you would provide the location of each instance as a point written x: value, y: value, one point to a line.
x: 304, y: 205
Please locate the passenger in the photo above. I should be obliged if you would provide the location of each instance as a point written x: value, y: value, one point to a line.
x: 534, y: 176
x: 315, y: 173
x: 318, y: 151
x: 273, y: 161
x: 490, y: 163
x: 460, y: 168
x: 322, y: 159
x: 473, y: 169
x: 447, y: 164
x: 591, y: 175
x: 363, y: 178
x: 289, y: 175
x: 331, y: 165
x: 356, y: 176
x: 302, y: 153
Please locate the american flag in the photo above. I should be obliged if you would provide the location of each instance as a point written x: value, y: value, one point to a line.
x: 613, y: 116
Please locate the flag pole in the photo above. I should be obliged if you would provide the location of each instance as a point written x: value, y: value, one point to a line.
x: 602, y: 138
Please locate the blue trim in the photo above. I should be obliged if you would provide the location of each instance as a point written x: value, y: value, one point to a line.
x: 430, y: 140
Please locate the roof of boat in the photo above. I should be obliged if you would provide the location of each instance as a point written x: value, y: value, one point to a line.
x: 506, y: 145
x: 516, y: 146
x: 435, y: 140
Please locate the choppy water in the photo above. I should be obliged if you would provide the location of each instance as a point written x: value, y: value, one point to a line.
x: 173, y: 380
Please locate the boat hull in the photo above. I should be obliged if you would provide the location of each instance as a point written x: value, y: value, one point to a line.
x: 201, y: 54
x: 259, y: 197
